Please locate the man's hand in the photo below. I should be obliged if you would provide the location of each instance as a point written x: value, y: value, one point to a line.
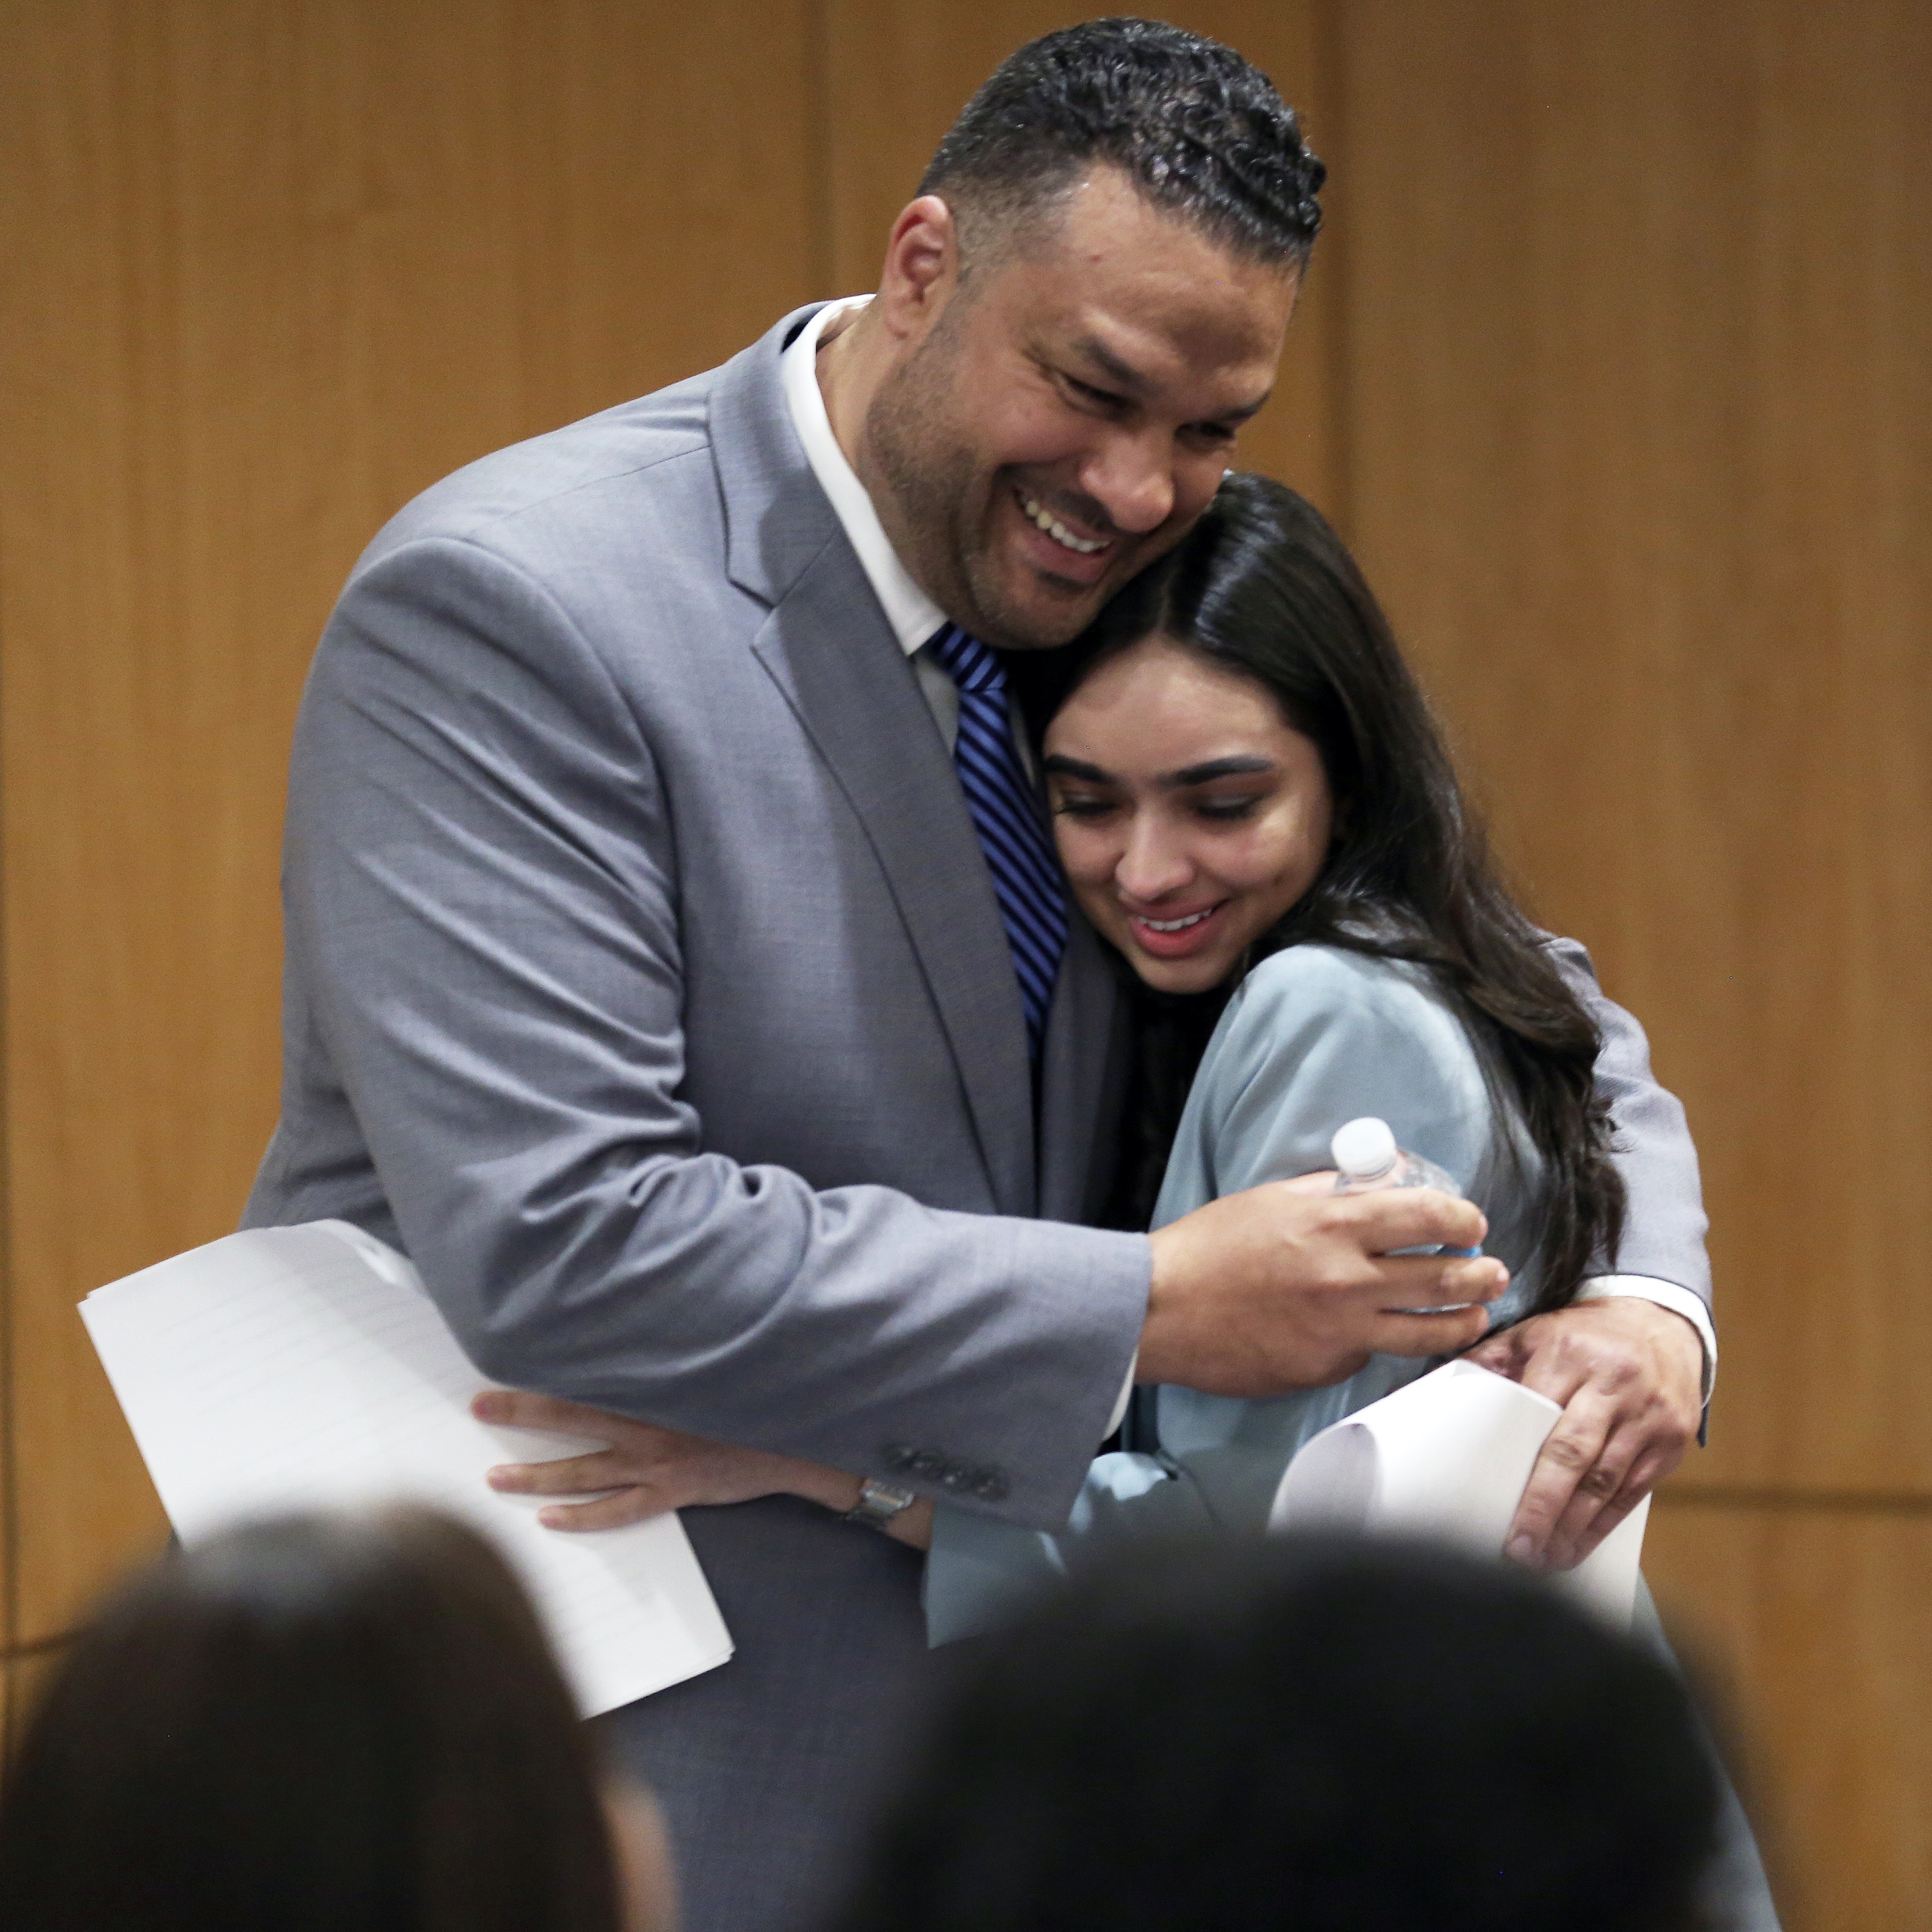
x: 647, y: 1470
x: 1291, y: 1286
x: 1630, y: 1377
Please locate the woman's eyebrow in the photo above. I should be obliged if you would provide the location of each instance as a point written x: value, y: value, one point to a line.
x: 1218, y: 768
x: 1075, y: 768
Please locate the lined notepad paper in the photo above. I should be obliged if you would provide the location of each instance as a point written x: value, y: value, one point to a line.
x: 306, y: 1367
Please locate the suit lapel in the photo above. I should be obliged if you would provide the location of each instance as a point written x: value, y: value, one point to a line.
x: 830, y: 651
x: 827, y: 645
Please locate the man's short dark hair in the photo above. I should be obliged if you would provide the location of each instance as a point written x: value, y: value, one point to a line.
x: 1200, y: 133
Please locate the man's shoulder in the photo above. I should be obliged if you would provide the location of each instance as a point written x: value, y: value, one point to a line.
x: 575, y: 476
x: 649, y: 474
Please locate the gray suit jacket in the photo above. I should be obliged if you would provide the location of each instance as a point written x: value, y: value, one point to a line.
x: 645, y: 984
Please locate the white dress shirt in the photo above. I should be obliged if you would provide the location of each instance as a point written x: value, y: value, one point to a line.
x: 915, y: 617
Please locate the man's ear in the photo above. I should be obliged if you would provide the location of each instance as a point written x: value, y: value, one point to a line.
x: 921, y: 268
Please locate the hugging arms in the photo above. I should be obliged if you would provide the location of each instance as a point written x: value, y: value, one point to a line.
x: 1255, y: 812
x: 646, y: 980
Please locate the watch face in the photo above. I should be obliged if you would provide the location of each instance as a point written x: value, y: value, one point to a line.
x: 879, y: 1502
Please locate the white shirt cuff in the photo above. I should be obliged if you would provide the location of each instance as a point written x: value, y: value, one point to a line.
x: 1666, y: 1295
x: 1126, y: 1395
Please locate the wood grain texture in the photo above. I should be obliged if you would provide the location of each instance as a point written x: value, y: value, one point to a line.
x: 1638, y: 385
x: 23, y: 1682
x: 272, y: 268
x: 897, y: 73
x: 1811, y: 1627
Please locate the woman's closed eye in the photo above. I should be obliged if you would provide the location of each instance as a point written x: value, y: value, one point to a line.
x: 1087, y: 806
x: 1091, y: 808
x: 1227, y: 811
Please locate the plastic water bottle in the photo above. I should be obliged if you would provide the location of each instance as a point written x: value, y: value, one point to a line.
x: 1367, y: 1158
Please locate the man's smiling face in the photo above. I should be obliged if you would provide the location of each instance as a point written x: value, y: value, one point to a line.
x: 1069, y: 411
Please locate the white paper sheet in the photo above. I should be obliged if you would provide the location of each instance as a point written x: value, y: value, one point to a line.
x: 306, y: 1367
x: 1449, y: 1456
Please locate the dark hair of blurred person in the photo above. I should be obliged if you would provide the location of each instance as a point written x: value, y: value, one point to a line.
x: 1317, y: 1734
x: 310, y: 1724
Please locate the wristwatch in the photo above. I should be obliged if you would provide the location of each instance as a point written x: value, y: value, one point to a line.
x: 879, y: 1503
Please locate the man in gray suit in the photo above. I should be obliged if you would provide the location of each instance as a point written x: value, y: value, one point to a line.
x: 653, y: 982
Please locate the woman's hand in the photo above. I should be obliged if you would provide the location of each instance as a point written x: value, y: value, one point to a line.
x: 647, y: 1471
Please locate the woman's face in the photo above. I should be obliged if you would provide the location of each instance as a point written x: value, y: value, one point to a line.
x: 1190, y: 815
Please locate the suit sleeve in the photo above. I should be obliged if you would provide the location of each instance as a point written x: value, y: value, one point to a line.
x: 1664, y: 1229
x: 481, y: 894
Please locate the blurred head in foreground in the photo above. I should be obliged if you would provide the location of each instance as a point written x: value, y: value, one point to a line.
x: 1312, y: 1734
x: 319, y: 1722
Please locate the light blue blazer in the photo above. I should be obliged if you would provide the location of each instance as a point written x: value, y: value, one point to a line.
x: 1313, y: 1037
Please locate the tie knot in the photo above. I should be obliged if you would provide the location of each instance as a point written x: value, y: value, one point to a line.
x: 970, y: 664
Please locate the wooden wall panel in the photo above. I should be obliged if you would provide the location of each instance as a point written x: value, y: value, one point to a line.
x: 1811, y: 1627
x: 271, y: 267
x: 1636, y: 431
x: 1633, y: 437
x: 897, y: 73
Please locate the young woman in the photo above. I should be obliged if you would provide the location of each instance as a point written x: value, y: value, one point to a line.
x: 316, y: 1723
x: 1255, y: 807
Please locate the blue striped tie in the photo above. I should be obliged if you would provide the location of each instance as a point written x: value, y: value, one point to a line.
x: 1026, y: 880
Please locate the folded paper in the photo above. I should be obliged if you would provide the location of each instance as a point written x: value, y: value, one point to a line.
x: 306, y: 1367
x: 1449, y: 1456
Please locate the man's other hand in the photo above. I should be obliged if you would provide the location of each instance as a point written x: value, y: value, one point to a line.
x: 1291, y: 1286
x: 1630, y: 1377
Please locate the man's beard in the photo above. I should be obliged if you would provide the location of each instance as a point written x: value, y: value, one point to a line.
x: 940, y: 502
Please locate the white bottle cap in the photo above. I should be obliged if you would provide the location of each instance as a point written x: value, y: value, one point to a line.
x: 1364, y: 1148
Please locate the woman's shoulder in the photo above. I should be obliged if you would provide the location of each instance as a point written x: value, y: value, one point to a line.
x: 1323, y: 986
x: 1318, y: 1034
x: 1315, y: 1036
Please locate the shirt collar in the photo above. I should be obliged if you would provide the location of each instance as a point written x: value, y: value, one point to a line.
x: 913, y: 615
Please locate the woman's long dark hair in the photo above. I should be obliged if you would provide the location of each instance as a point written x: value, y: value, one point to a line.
x: 1264, y: 587
x: 305, y: 1725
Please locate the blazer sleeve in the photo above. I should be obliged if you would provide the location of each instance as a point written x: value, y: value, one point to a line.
x: 482, y: 904
x: 1316, y: 1036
